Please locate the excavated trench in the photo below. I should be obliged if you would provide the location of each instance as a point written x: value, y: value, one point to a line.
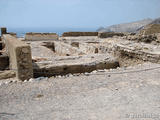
x: 53, y: 58
x: 76, y: 57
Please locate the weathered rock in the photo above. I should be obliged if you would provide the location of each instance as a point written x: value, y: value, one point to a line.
x: 1, y: 45
x: 76, y: 34
x: 20, y: 57
x: 4, y: 62
x: 143, y: 38
x: 3, y: 31
x: 77, y: 64
x: 150, y: 29
x: 75, y: 44
x: 12, y: 33
x: 7, y: 74
x: 41, y: 36
x: 65, y: 49
x: 49, y: 45
x: 141, y: 52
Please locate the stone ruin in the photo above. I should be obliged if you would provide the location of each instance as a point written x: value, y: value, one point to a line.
x: 76, y: 34
x: 47, y: 54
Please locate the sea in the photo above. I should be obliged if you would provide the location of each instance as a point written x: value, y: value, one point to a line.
x: 22, y: 31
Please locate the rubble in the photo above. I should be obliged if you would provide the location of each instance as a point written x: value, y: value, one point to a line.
x: 41, y: 36
x: 20, y: 57
x: 46, y: 54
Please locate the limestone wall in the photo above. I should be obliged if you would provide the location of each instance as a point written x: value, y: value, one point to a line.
x: 76, y: 34
x: 20, y: 57
x: 4, y: 62
x: 41, y: 36
x: 1, y: 45
x: 3, y: 31
x: 109, y: 34
x: 66, y: 49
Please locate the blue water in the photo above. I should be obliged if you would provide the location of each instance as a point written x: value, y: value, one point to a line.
x: 21, y: 31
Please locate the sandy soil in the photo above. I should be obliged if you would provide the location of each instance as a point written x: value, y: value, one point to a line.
x: 120, y: 94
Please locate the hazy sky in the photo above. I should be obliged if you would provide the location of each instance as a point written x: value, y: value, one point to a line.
x: 75, y: 13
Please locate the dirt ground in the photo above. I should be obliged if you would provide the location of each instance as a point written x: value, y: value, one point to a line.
x: 122, y: 94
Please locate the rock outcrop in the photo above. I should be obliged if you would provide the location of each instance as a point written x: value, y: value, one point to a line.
x: 126, y: 27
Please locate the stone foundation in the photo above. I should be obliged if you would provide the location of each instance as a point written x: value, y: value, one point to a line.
x: 76, y: 34
x: 109, y: 34
x: 20, y: 57
x: 77, y: 64
x: 7, y: 74
x: 4, y: 62
x: 3, y: 31
x: 41, y: 36
x: 1, y: 45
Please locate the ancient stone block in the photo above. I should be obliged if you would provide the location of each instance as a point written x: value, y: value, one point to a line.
x: 7, y: 74
x: 76, y: 34
x: 20, y: 57
x: 4, y: 62
x: 109, y: 34
x: 64, y: 49
x: 75, y: 64
x: 1, y: 45
x: 13, y: 34
x: 41, y: 36
x: 3, y: 31
x: 75, y: 44
x: 49, y: 45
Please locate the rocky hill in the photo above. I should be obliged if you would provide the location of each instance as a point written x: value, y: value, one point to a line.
x: 156, y: 21
x: 126, y: 27
x: 152, y: 28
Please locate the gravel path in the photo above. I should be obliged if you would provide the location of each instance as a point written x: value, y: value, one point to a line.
x: 105, y: 95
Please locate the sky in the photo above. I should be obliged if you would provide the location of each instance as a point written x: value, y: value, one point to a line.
x: 75, y: 13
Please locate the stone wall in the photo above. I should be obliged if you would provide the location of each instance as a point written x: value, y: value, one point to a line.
x: 109, y: 34
x: 20, y: 57
x: 41, y: 36
x: 3, y: 31
x: 1, y: 45
x: 75, y: 64
x: 4, y: 62
x: 64, y: 49
x: 76, y: 34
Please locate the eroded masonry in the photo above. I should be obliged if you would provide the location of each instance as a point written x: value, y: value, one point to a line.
x: 47, y: 54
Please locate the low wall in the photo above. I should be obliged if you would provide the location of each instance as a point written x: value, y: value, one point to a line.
x: 1, y: 45
x: 75, y: 64
x: 20, y: 57
x: 76, y: 34
x: 3, y: 30
x: 41, y: 36
x: 7, y: 74
x: 62, y: 48
x: 4, y: 62
x: 109, y: 34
